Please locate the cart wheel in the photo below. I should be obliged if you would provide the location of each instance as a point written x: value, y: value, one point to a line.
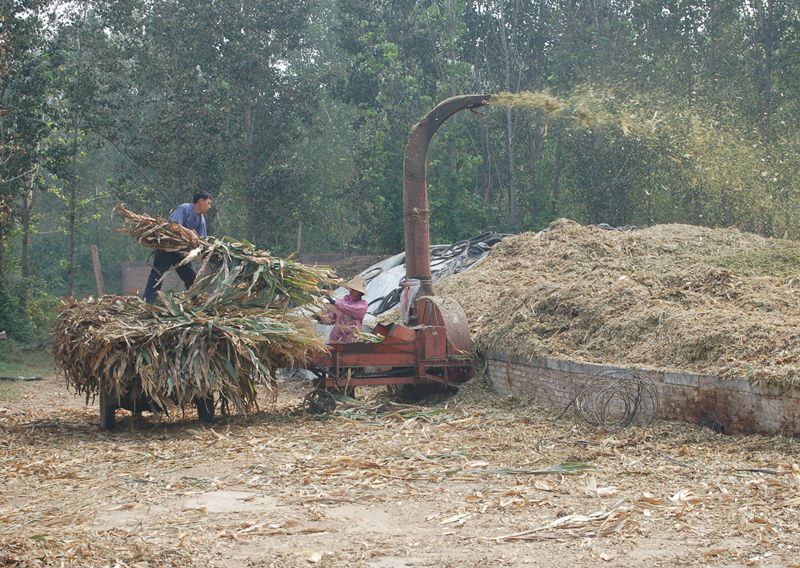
x: 205, y: 409
x: 319, y: 401
x: 108, y: 410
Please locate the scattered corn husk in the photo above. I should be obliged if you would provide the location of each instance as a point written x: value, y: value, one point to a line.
x: 74, y: 495
x: 568, y: 468
x: 602, y: 523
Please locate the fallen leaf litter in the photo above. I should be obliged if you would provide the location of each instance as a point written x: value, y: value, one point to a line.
x: 474, y: 478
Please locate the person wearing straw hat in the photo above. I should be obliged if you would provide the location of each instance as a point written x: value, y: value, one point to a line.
x: 347, y: 314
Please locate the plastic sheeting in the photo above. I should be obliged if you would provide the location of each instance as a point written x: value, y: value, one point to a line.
x: 384, y: 279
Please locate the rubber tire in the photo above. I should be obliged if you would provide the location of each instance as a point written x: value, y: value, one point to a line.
x: 108, y: 411
x: 319, y: 401
x: 205, y: 409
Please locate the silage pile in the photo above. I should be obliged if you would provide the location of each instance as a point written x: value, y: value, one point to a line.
x: 225, y: 335
x: 714, y: 301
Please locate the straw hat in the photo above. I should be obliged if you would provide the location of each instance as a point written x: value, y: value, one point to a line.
x: 357, y: 284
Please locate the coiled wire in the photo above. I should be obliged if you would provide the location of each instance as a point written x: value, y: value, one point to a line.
x: 616, y: 399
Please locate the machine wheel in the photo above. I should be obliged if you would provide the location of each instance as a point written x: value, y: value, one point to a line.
x: 319, y: 401
x: 205, y: 409
x: 108, y: 410
x: 459, y: 374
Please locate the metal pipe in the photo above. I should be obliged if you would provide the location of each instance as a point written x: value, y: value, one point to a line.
x: 416, y: 211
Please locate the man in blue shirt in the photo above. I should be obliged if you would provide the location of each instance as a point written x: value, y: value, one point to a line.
x: 191, y: 216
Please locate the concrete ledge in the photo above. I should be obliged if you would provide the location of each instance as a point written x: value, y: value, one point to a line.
x: 737, y: 405
x: 682, y: 379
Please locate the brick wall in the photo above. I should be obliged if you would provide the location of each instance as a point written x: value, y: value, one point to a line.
x: 739, y: 406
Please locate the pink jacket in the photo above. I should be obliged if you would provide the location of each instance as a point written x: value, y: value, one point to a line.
x: 346, y: 315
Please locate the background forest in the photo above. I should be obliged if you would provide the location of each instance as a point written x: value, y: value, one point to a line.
x: 648, y: 111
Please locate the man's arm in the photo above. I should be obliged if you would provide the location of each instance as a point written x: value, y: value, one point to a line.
x: 180, y: 216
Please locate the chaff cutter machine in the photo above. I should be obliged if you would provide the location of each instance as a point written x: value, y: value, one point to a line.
x: 435, y: 351
x: 435, y: 347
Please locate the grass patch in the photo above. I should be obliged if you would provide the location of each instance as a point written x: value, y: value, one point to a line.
x: 17, y: 361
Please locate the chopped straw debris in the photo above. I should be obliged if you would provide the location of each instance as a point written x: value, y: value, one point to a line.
x: 715, y: 301
x: 475, y: 481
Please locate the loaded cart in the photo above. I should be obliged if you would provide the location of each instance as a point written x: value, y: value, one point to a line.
x: 433, y: 346
x: 220, y: 340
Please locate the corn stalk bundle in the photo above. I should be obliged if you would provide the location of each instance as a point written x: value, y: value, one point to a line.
x: 226, y: 334
x: 231, y: 271
x: 175, y: 351
x: 157, y: 232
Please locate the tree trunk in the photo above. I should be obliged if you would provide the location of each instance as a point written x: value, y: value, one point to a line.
x: 726, y: 209
x: 536, y: 158
x: 556, y: 194
x: 251, y: 190
x: 2, y: 253
x: 73, y: 181
x: 688, y: 70
x: 452, y: 21
x: 598, y: 7
x: 507, y: 45
x: 512, y: 170
x: 766, y: 19
x: 697, y: 200
x: 453, y: 158
x: 487, y: 166
x: 25, y: 261
x: 600, y: 191
x: 73, y: 209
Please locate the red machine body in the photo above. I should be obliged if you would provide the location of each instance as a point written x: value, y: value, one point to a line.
x: 435, y: 348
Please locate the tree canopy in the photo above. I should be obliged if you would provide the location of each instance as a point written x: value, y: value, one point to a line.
x: 293, y: 112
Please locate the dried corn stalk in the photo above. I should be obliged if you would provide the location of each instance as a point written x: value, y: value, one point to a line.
x: 226, y: 334
x: 175, y: 352
x: 231, y: 271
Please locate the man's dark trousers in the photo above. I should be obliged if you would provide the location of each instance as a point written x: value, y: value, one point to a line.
x: 163, y: 261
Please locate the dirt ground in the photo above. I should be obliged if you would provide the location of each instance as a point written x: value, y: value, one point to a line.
x: 444, y: 484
